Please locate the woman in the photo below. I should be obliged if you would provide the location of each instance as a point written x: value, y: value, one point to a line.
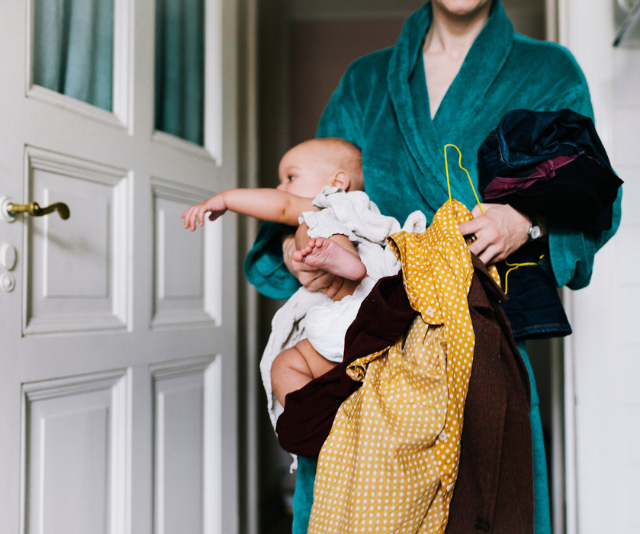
x: 456, y: 69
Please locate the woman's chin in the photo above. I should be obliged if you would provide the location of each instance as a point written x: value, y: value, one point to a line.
x: 462, y: 8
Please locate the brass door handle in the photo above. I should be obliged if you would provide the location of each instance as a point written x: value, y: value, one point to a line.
x: 34, y: 209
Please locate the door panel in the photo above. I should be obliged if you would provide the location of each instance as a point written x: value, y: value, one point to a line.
x: 186, y: 454
x: 76, y: 443
x: 186, y: 292
x: 76, y: 268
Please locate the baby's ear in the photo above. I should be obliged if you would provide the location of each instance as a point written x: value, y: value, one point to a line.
x: 341, y: 179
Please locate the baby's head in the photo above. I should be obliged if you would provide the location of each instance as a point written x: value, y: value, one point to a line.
x: 308, y: 167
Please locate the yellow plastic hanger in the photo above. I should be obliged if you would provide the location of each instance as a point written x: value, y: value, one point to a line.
x: 513, y: 266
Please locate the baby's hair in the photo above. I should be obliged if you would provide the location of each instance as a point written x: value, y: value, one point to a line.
x: 350, y: 158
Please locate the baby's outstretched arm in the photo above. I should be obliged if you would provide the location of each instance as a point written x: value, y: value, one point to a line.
x: 264, y: 204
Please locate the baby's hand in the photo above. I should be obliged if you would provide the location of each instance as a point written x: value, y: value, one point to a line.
x: 215, y: 205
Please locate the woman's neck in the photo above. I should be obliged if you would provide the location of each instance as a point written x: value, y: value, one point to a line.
x: 446, y: 44
x: 453, y: 34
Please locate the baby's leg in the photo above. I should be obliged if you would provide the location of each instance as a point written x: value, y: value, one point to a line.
x: 294, y: 368
x: 336, y: 255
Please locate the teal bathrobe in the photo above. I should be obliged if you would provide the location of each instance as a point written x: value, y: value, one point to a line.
x: 382, y: 106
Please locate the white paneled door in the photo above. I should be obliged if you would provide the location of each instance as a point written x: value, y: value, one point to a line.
x: 117, y: 327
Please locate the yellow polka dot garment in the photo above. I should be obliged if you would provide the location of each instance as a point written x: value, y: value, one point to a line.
x: 390, y: 462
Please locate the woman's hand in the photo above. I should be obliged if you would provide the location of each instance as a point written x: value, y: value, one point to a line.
x: 312, y: 279
x: 500, y: 231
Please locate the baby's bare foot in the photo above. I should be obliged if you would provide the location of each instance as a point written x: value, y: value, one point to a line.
x: 322, y: 253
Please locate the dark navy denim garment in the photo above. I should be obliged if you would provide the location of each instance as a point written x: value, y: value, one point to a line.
x: 533, y: 306
x: 571, y: 183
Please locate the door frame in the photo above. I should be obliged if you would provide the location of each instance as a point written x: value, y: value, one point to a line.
x: 248, y: 298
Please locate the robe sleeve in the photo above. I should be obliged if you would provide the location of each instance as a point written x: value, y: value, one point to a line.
x: 572, y: 252
x: 264, y: 266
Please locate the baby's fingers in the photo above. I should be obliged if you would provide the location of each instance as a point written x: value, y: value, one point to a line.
x: 190, y: 219
x: 187, y: 217
x: 201, y: 213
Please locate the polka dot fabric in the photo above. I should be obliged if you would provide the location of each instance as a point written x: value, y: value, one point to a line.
x: 390, y: 462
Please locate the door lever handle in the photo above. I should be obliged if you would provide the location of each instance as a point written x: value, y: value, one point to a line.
x: 9, y: 209
x: 34, y: 209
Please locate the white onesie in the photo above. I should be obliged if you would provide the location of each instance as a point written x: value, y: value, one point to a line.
x: 314, y: 315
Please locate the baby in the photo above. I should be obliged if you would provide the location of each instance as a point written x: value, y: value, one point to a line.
x: 320, y: 190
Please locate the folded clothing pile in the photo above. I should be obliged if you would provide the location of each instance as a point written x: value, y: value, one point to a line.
x: 549, y: 164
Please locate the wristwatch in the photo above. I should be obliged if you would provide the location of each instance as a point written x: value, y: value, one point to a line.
x: 534, y: 229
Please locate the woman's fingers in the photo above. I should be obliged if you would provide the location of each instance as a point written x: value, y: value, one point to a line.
x: 316, y: 280
x: 499, y: 231
x: 485, y: 247
x: 476, y: 211
x: 312, y: 279
x: 489, y: 255
x: 470, y: 227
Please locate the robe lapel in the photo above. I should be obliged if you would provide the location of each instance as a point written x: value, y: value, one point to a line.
x: 401, y: 67
x: 483, y: 63
x: 424, y: 137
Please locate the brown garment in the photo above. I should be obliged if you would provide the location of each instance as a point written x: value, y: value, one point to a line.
x: 494, y: 489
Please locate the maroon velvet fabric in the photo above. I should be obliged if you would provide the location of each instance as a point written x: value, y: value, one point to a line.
x: 500, y: 186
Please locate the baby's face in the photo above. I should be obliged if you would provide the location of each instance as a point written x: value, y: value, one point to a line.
x: 304, y: 171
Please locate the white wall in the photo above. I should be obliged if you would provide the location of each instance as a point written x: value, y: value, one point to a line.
x: 603, y: 355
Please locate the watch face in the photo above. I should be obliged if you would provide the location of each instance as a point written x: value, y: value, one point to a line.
x: 535, y: 232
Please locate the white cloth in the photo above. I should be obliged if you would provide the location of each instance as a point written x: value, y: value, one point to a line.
x: 314, y: 315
